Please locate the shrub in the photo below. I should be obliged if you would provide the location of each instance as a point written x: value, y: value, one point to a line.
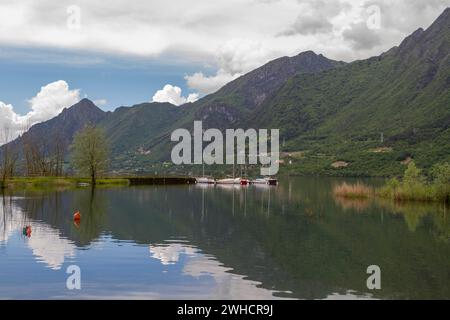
x: 441, y: 181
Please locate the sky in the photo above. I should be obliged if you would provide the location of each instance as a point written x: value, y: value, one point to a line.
x: 120, y: 53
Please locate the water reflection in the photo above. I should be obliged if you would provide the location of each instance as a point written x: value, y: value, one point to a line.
x: 415, y: 214
x: 45, y: 242
x: 291, y: 241
x: 170, y: 253
x: 222, y: 282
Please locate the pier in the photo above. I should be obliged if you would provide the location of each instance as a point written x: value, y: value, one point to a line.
x: 135, y: 181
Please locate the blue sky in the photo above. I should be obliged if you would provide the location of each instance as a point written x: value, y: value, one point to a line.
x: 121, y: 81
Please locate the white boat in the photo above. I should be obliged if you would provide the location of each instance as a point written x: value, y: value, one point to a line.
x: 259, y: 181
x: 266, y: 181
x: 205, y: 180
x: 229, y: 181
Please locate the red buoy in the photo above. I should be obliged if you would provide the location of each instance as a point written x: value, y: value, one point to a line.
x: 77, y: 216
x: 28, y: 231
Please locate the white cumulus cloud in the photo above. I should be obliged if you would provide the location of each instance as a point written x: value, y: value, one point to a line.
x: 48, y: 103
x: 10, y: 123
x: 173, y: 95
x: 208, y: 84
x: 51, y: 100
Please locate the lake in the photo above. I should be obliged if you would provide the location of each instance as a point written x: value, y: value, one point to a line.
x: 292, y: 241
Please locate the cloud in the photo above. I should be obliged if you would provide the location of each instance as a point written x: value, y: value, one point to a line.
x: 172, y: 94
x: 153, y: 28
x: 10, y: 123
x: 408, y: 15
x: 361, y: 37
x: 316, y: 17
x: 48, y: 103
x: 233, y: 59
x: 309, y: 25
x: 51, y: 100
x: 230, y: 37
x: 208, y: 84
x: 100, y: 102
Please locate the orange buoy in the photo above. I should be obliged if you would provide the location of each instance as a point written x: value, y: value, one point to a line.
x: 77, y: 216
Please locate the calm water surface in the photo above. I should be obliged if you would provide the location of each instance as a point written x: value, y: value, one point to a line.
x: 191, y: 242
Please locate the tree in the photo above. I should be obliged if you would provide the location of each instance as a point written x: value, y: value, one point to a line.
x: 8, y: 157
x: 441, y: 181
x: 413, y: 175
x: 90, y: 152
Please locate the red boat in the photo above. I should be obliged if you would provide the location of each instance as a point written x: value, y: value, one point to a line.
x: 244, y: 182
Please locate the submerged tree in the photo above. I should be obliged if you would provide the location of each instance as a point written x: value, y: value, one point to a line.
x: 90, y: 152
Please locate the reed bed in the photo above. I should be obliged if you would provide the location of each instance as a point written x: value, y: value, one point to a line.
x: 354, y: 191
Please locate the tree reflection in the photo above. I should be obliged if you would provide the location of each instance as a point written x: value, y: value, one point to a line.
x: 292, y: 238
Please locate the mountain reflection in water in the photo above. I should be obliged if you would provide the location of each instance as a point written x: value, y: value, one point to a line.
x: 256, y: 242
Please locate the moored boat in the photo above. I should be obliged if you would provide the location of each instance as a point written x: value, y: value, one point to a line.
x: 205, y: 180
x: 244, y: 182
x: 265, y: 181
x: 259, y: 181
x: 229, y: 181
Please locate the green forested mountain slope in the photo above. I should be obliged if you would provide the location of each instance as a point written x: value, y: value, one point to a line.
x: 227, y: 108
x: 399, y: 100
x: 371, y: 116
x: 129, y: 128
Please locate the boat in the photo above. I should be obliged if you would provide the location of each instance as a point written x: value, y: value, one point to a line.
x: 259, y: 181
x: 229, y: 181
x: 240, y: 181
x: 244, y: 182
x: 265, y: 181
x: 205, y: 180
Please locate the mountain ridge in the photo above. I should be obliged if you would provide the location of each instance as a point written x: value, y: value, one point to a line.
x: 326, y: 110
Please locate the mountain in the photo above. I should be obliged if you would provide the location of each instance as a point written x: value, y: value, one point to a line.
x: 68, y: 122
x: 398, y: 102
x: 226, y: 108
x: 368, y: 117
x: 241, y: 97
x: 62, y: 128
x: 129, y: 129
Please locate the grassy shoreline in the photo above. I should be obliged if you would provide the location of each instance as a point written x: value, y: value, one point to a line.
x: 77, y: 182
x: 60, y: 182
